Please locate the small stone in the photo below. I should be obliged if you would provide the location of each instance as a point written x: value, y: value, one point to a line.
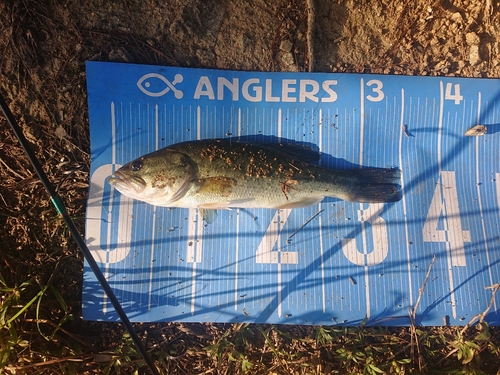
x: 476, y: 130
x: 472, y: 38
x: 60, y: 133
x: 440, y: 65
x: 32, y: 133
x: 474, y: 58
x: 456, y: 17
x: 286, y: 45
x: 289, y: 62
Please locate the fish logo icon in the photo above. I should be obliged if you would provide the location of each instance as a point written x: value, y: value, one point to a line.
x: 152, y: 81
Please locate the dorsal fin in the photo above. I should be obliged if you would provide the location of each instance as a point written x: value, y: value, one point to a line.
x: 297, y: 151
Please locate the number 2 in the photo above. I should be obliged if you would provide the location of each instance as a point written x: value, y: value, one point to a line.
x: 270, y: 242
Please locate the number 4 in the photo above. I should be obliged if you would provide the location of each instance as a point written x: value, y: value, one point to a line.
x: 445, y: 204
x: 270, y: 241
x: 448, y: 95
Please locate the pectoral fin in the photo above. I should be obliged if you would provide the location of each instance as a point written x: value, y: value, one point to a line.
x: 221, y: 186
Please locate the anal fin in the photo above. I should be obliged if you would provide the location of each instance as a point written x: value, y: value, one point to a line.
x: 306, y: 202
x: 209, y: 216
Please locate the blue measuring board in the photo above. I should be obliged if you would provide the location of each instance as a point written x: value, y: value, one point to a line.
x: 333, y: 263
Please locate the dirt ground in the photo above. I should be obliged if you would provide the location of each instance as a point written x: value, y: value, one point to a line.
x: 44, y: 46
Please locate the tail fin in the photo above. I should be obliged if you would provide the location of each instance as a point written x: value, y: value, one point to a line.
x: 375, y: 185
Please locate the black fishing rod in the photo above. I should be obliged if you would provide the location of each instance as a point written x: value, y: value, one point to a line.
x: 61, y: 209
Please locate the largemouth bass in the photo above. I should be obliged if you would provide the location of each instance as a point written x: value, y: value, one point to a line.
x: 215, y: 174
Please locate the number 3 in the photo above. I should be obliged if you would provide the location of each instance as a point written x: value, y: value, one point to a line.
x: 370, y: 215
x: 377, y: 89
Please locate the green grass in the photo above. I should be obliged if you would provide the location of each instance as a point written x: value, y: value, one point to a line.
x: 37, y: 337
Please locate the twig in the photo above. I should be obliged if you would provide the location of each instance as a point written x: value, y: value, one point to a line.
x: 421, y: 290
x: 310, y: 33
x: 74, y: 337
x: 11, y: 170
x: 488, y: 10
x: 482, y: 315
x: 414, y: 342
x: 406, y: 131
x: 303, y: 225
x: 123, y: 38
x: 73, y: 358
x: 413, y: 319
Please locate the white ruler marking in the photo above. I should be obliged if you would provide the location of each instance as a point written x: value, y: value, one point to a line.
x: 363, y: 233
x: 236, y: 281
x: 403, y: 201
x: 153, y: 229
x: 198, y: 122
x: 195, y: 226
x: 279, y: 123
x: 323, y: 286
x: 440, y: 181
x: 479, y: 198
x: 111, y: 195
x: 361, y: 121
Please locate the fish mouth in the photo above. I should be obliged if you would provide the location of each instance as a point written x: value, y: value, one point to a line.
x: 123, y: 182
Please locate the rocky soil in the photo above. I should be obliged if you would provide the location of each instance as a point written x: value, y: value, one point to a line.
x: 44, y: 46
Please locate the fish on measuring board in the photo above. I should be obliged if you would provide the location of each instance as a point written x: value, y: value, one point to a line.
x: 223, y: 173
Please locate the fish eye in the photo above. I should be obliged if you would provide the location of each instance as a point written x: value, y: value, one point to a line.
x: 136, y: 165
